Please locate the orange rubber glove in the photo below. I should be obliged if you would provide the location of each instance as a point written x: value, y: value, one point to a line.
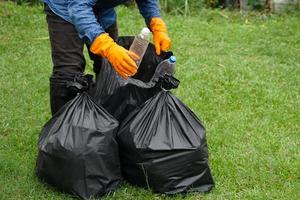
x: 161, y: 39
x: 121, y: 59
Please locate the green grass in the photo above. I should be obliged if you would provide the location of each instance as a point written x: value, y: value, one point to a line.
x: 240, y: 73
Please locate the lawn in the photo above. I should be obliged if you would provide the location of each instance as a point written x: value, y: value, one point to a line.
x: 239, y: 72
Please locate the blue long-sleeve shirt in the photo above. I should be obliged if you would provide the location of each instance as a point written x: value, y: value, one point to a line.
x: 81, y: 13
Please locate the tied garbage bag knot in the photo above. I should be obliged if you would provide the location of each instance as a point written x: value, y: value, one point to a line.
x: 81, y: 82
x: 167, y: 82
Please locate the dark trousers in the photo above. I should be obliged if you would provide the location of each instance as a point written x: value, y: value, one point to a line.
x: 67, y: 57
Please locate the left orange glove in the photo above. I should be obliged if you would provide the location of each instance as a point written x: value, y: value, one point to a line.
x: 161, y: 39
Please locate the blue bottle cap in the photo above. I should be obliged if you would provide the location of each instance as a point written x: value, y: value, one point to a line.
x: 172, y: 59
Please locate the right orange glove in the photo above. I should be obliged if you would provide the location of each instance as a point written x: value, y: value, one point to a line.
x: 161, y: 39
x: 121, y: 59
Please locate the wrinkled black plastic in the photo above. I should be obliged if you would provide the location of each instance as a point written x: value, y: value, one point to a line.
x: 163, y: 146
x: 119, y: 96
x: 78, y: 152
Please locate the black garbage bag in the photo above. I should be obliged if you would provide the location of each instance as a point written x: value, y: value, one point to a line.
x: 163, y: 147
x: 78, y: 152
x: 119, y: 96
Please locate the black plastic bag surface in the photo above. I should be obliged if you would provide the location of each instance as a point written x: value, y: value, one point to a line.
x: 78, y: 152
x: 119, y: 96
x: 163, y: 146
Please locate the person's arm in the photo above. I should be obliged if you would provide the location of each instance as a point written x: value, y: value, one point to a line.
x: 150, y: 11
x: 85, y: 22
x: 83, y: 18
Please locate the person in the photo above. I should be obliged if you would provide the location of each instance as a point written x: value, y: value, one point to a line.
x: 73, y: 23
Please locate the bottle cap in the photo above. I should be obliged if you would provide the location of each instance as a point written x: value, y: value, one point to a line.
x: 172, y: 59
x: 145, y: 31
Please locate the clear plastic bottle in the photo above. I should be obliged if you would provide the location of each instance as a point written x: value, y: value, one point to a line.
x: 166, y: 67
x: 140, y: 44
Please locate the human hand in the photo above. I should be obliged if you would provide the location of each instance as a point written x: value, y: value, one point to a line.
x: 121, y: 59
x: 162, y: 42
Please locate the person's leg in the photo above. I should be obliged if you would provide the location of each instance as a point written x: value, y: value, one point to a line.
x: 67, y: 56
